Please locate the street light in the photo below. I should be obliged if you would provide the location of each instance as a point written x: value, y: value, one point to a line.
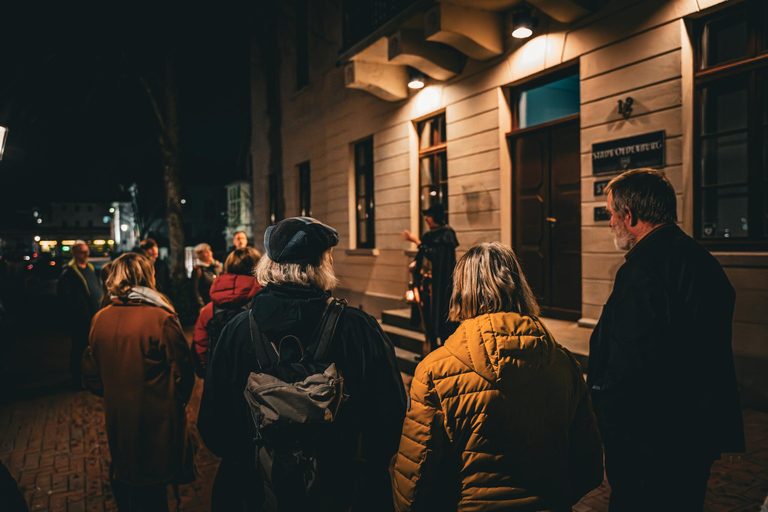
x: 3, y: 137
x: 523, y: 23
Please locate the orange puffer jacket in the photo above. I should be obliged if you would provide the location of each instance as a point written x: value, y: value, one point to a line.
x: 500, y: 419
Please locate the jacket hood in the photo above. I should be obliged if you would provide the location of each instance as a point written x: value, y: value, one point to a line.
x: 492, y: 343
x: 283, y: 307
x: 230, y: 289
x: 146, y: 295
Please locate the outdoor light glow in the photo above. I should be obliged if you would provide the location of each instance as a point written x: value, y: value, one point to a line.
x: 65, y: 248
x: 111, y: 242
x: 522, y: 33
x: 183, y: 201
x: 26, y: 258
x: 37, y: 239
x: 428, y: 100
x: 67, y: 242
x: 99, y: 242
x: 111, y: 210
x: 48, y: 242
x: 123, y: 227
x: 35, y: 214
x: 39, y: 221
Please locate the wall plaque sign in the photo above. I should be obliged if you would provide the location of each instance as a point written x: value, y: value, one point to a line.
x: 645, y: 150
x: 601, y: 213
x: 599, y: 187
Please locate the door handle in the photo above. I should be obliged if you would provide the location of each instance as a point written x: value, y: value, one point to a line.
x: 551, y: 219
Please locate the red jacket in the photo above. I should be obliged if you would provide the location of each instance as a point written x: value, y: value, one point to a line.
x: 227, y: 290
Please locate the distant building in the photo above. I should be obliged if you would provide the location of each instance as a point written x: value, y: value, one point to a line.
x: 123, y: 227
x: 239, y: 210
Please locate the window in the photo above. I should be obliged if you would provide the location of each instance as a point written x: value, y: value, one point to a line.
x: 302, y: 45
x: 549, y: 102
x: 731, y: 123
x: 433, y: 165
x: 364, y: 194
x: 305, y: 190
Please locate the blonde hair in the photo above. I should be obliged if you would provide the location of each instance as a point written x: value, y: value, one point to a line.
x: 320, y: 275
x: 129, y: 270
x: 488, y: 279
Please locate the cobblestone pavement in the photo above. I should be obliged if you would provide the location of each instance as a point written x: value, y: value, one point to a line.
x: 56, y: 447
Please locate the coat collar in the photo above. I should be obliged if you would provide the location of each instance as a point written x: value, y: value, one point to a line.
x: 648, y: 240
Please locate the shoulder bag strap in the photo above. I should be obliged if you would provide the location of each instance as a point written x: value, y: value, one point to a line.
x: 264, y: 356
x: 328, y: 325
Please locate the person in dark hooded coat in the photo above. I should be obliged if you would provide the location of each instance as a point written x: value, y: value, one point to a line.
x: 433, y: 271
x: 353, y: 462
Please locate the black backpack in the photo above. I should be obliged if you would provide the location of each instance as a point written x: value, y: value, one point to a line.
x: 293, y: 399
x: 221, y: 317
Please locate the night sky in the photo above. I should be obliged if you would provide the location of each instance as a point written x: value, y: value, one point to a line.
x: 80, y: 123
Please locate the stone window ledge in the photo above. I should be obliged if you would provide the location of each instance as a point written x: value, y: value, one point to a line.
x: 362, y: 252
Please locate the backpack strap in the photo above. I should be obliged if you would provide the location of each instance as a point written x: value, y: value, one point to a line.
x: 264, y: 356
x: 327, y: 328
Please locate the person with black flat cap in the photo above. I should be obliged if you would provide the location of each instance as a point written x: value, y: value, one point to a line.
x: 353, y: 461
x: 432, y: 272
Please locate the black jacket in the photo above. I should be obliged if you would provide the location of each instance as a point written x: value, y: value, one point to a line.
x: 373, y: 413
x: 661, y: 367
x: 437, y: 255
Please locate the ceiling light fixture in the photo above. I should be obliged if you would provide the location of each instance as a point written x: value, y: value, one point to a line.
x: 523, y: 23
x: 416, y: 79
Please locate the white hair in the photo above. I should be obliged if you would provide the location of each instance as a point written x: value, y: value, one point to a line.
x: 199, y: 248
x: 320, y: 275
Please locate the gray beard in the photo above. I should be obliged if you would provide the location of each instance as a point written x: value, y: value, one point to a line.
x: 623, y: 240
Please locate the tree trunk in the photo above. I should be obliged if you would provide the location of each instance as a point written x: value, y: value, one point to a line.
x: 170, y: 146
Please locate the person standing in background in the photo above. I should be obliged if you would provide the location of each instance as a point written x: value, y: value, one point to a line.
x: 162, y: 271
x: 79, y: 290
x: 206, y: 270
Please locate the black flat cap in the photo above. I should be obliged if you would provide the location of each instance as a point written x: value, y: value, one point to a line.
x: 437, y: 212
x: 299, y: 240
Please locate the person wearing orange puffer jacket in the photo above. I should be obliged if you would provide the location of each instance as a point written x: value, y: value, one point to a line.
x: 500, y: 416
x: 231, y: 293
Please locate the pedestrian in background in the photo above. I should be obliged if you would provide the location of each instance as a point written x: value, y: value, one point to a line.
x: 354, y: 454
x: 205, y: 271
x: 431, y: 273
x: 239, y: 240
x: 79, y: 291
x: 162, y: 271
x: 138, y: 359
x: 500, y: 416
x: 661, y: 367
x: 231, y: 294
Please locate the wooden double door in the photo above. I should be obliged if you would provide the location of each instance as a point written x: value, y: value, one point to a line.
x: 547, y: 213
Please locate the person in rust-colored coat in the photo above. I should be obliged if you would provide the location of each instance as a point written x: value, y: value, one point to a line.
x: 138, y: 358
x: 500, y: 416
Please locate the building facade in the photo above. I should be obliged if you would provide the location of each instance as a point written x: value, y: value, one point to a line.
x: 517, y: 137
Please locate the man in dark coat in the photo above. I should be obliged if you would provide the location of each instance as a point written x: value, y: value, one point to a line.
x: 79, y: 290
x: 661, y: 370
x: 433, y: 273
x: 149, y: 248
x: 354, y: 460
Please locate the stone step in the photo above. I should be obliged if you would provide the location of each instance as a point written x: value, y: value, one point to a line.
x: 405, y: 338
x: 407, y: 360
x: 399, y: 318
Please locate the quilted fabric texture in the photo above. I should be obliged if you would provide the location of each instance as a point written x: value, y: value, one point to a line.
x: 500, y: 419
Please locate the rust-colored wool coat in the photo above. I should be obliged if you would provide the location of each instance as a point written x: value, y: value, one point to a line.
x: 139, y: 353
x: 500, y: 419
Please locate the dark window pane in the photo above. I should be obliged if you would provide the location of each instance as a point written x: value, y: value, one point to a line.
x: 361, y: 185
x: 724, y: 159
x: 724, y: 213
x: 725, y: 39
x: 362, y: 234
x: 442, y: 162
x: 725, y: 106
x: 765, y: 153
x: 440, y: 130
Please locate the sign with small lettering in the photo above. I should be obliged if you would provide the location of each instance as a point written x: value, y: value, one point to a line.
x: 645, y: 150
x: 599, y: 187
x: 601, y: 213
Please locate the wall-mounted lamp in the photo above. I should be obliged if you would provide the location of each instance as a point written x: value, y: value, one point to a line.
x: 625, y: 107
x: 416, y: 79
x: 3, y: 136
x: 523, y: 23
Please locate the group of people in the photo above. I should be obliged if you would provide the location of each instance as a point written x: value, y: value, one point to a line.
x: 499, y: 416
